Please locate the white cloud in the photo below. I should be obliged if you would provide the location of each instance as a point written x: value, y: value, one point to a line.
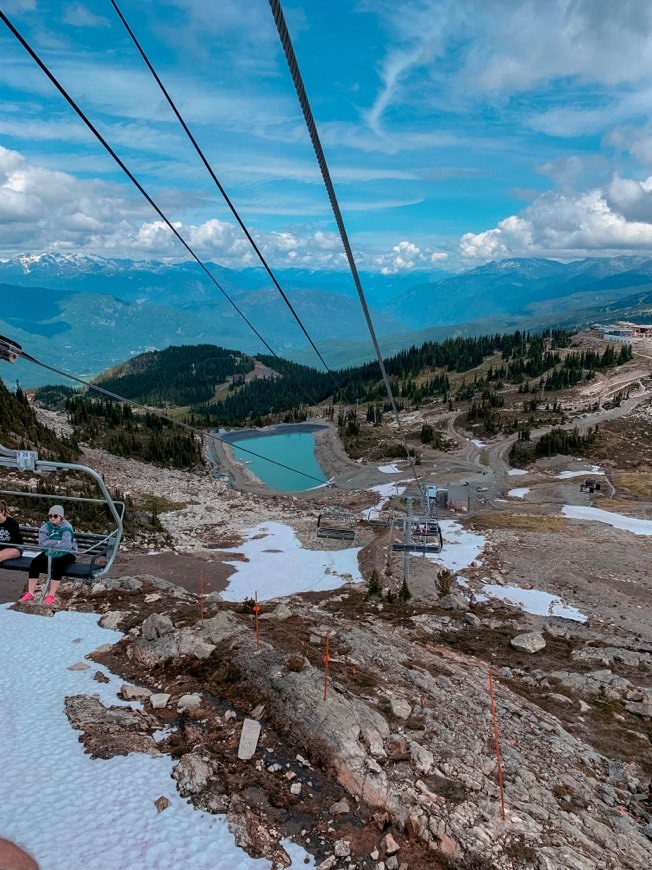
x: 566, y: 225
x: 449, y: 54
x: 406, y: 257
x: 80, y: 16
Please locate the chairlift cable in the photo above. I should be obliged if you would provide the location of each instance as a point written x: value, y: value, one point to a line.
x: 293, y: 65
x: 226, y: 197
x: 117, y: 397
x: 149, y: 199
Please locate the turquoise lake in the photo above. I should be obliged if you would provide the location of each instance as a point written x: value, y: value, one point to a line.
x: 296, y: 449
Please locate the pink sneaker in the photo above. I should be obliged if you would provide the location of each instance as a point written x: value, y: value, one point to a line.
x: 48, y: 600
x: 26, y: 597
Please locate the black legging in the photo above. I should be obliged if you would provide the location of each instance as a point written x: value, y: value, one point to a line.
x: 39, y: 565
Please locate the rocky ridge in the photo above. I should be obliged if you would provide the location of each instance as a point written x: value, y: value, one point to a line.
x: 405, y: 731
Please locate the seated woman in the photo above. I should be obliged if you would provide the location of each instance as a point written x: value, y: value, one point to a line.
x: 9, y: 534
x: 57, y: 538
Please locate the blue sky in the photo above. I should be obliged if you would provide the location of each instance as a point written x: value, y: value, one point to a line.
x: 457, y: 131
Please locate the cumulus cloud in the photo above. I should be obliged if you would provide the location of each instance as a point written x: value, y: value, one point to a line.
x: 566, y: 225
x: 407, y: 257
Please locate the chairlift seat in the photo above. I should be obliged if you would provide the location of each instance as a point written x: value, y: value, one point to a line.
x: 340, y: 534
x: 94, y: 552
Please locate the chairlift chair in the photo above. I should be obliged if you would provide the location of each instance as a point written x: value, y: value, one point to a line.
x: 96, y: 552
x: 337, y: 524
x: 421, y: 534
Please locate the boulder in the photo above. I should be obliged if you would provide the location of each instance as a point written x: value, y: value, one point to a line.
x: 400, y: 708
x: 453, y: 602
x: 157, y: 625
x: 530, y: 642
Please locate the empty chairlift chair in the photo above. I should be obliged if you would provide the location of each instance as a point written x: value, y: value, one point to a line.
x: 337, y: 524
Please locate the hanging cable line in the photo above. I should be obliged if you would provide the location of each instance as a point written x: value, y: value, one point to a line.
x: 293, y: 65
x: 12, y: 349
x: 149, y: 199
x: 227, y: 199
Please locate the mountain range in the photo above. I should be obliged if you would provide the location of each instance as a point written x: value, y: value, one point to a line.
x: 83, y: 314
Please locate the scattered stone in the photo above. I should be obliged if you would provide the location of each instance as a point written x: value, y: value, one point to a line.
x: 248, y: 739
x: 340, y: 808
x: 327, y: 863
x: 161, y: 803
x: 114, y: 619
x: 342, y: 849
x: 189, y: 702
x: 79, y: 666
x: 390, y: 844
x: 192, y: 774
x: 159, y: 701
x: 257, y: 712
x: 530, y: 642
x: 157, y: 625
x: 134, y: 693
x: 281, y: 612
x: 99, y: 677
x: 400, y: 708
x: 453, y: 602
x: 472, y: 619
x: 295, y: 788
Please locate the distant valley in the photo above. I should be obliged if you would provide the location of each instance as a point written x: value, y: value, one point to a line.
x: 84, y: 314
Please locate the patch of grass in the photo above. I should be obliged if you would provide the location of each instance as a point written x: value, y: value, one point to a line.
x: 639, y: 483
x: 295, y: 664
x: 519, y: 850
x: 528, y: 522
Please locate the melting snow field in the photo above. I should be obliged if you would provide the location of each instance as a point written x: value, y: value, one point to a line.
x: 618, y: 521
x: 478, y: 443
x: 518, y: 493
x: 514, y: 472
x: 68, y: 810
x: 594, y: 469
x: 385, y: 491
x: 388, y: 469
x: 277, y: 565
x: 534, y: 601
x: 461, y: 547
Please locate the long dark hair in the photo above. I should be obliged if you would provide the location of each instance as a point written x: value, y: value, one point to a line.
x: 4, y: 508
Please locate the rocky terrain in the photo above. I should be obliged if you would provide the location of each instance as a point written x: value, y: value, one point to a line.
x: 390, y: 760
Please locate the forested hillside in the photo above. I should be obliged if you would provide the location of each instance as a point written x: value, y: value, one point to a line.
x: 177, y: 375
x: 435, y: 372
x: 20, y: 430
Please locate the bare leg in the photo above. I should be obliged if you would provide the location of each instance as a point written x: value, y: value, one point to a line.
x: 9, y: 553
x: 31, y: 584
x: 54, y: 586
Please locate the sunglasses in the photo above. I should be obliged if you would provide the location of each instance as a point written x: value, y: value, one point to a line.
x: 54, y: 516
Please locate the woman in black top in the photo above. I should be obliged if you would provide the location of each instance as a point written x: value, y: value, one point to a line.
x: 9, y: 534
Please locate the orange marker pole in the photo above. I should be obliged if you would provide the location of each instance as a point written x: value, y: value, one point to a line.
x: 497, y: 744
x: 327, y: 658
x: 256, y: 609
x: 201, y: 595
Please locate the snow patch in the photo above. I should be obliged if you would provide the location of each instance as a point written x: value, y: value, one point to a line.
x: 105, y: 807
x: 534, y: 601
x: 595, y: 469
x: 521, y: 492
x: 618, y: 521
x: 514, y: 472
x: 461, y: 547
x: 277, y: 565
